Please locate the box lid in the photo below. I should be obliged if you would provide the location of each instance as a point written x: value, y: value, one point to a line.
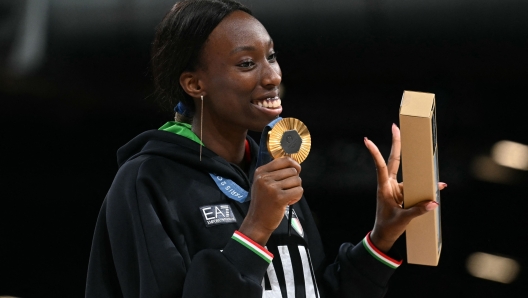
x: 418, y: 104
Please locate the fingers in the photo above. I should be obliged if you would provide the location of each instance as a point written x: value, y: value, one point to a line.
x: 395, y: 155
x: 381, y: 166
x: 385, y: 170
x: 290, y: 182
x: 278, y: 164
x: 283, y: 170
x: 281, y: 174
x: 419, y: 209
x: 441, y: 186
x: 295, y: 193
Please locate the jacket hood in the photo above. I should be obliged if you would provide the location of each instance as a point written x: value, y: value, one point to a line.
x: 185, y: 151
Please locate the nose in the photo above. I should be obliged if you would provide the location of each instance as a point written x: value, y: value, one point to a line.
x: 271, y: 75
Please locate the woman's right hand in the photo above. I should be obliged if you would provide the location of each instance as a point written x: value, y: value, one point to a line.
x: 275, y: 186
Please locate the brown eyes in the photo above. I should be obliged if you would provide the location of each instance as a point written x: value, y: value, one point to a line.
x: 248, y: 64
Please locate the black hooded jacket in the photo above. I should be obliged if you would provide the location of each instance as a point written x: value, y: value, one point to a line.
x: 155, y: 238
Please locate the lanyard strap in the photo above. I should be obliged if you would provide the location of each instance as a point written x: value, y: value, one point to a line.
x: 228, y: 186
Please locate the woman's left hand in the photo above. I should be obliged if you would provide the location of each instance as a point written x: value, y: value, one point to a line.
x: 391, y: 219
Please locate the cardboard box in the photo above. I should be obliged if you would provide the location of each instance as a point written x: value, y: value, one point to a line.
x: 420, y: 175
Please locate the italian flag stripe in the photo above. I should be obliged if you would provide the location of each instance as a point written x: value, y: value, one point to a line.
x: 380, y: 256
x: 253, y: 246
x: 297, y: 226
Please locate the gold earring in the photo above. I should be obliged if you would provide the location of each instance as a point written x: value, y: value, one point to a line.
x: 201, y: 125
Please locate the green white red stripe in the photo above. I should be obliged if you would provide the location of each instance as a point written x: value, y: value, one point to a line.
x: 253, y: 246
x: 380, y: 256
x: 296, y: 224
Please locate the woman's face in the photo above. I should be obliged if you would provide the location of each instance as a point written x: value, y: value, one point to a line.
x: 240, y: 75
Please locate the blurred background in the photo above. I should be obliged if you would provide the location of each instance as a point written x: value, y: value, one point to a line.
x: 75, y: 85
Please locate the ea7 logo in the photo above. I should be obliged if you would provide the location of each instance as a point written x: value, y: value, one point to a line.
x: 217, y: 214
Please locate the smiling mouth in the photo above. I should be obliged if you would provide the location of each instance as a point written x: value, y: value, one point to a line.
x: 270, y: 102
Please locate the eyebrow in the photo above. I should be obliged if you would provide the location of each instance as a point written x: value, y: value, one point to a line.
x: 247, y: 48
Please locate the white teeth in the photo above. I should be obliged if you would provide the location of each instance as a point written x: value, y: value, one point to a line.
x: 270, y: 102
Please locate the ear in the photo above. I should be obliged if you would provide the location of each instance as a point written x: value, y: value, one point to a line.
x: 191, y: 84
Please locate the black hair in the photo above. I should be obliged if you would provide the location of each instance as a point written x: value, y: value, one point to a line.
x: 179, y: 42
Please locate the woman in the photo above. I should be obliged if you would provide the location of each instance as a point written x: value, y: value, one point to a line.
x: 182, y: 219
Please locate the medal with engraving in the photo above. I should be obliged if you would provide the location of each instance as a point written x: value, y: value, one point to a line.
x: 289, y: 137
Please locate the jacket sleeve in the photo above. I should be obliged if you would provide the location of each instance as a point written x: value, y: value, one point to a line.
x: 237, y: 271
x: 137, y: 253
x: 360, y: 270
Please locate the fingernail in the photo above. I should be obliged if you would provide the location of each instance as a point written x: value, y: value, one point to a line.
x: 443, y: 184
x: 431, y: 206
x: 365, y: 140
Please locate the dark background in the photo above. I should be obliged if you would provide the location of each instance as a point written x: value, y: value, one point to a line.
x: 345, y: 64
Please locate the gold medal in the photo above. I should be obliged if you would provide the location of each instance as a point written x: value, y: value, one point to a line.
x: 289, y: 137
